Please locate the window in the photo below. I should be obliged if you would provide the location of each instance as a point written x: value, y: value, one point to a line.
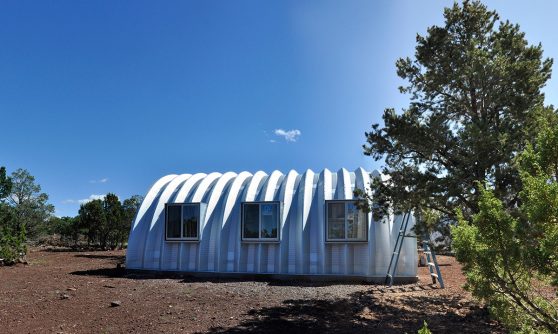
x: 182, y: 221
x: 345, y: 222
x: 260, y: 221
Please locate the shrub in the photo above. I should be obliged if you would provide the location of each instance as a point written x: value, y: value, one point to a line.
x: 12, y: 243
x: 424, y: 329
x: 510, y: 255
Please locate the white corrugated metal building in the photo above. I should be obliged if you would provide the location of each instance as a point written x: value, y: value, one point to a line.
x: 293, y: 224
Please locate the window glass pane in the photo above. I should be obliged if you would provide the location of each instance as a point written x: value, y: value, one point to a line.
x: 356, y: 223
x: 336, y: 220
x: 363, y: 225
x: 173, y: 221
x: 190, y: 219
x: 336, y: 210
x: 251, y: 222
x: 270, y: 220
x: 336, y: 229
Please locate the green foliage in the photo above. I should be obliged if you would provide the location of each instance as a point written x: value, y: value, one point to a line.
x: 91, y: 216
x: 68, y: 228
x: 424, y: 329
x: 32, y: 211
x: 12, y: 245
x: 5, y: 184
x: 12, y: 240
x: 428, y: 227
x: 539, y: 174
x: 112, y: 233
x: 475, y: 90
x: 130, y: 208
x: 510, y: 255
x: 107, y: 222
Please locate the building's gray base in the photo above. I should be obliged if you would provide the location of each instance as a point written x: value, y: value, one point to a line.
x: 271, y: 277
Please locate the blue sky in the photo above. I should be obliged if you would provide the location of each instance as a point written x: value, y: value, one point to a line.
x: 108, y: 96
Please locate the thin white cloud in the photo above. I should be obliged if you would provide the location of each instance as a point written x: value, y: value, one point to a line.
x: 103, y: 180
x: 90, y: 198
x: 84, y: 200
x: 288, y: 135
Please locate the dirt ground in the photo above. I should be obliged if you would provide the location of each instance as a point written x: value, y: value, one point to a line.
x: 72, y: 292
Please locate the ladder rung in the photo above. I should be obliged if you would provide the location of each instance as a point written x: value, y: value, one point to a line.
x: 397, y: 248
x: 432, y: 263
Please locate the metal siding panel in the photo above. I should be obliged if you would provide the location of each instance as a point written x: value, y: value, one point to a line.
x: 184, y: 192
x: 230, y: 231
x: 155, y: 239
x: 140, y: 227
x: 325, y: 193
x: 362, y: 181
x: 345, y: 192
x: 202, y: 191
x: 286, y: 194
x: 213, y: 223
x: 302, y: 244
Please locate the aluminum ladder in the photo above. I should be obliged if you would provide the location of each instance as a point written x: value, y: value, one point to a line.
x: 432, y: 264
x: 397, y: 249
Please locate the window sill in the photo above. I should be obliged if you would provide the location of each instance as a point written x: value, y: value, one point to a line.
x: 260, y: 241
x: 346, y: 241
x: 182, y: 240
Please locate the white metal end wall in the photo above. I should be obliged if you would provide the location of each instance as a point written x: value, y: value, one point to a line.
x: 302, y: 248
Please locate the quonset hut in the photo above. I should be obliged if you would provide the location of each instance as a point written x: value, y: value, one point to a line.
x: 283, y: 225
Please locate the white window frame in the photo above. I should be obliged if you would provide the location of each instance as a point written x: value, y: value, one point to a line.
x: 182, y: 238
x: 345, y: 239
x: 259, y: 238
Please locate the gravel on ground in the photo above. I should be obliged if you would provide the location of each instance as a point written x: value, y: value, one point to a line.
x: 61, y: 291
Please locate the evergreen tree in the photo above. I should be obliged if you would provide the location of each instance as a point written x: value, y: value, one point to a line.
x: 107, y: 222
x: 31, y: 207
x: 113, y: 217
x: 92, y: 218
x: 509, y: 256
x: 12, y: 241
x: 475, y: 97
x: 130, y: 207
x: 5, y: 184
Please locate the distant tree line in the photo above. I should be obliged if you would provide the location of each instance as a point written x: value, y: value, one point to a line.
x: 26, y: 215
x: 104, y: 223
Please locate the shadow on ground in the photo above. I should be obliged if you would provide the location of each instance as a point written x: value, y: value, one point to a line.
x: 102, y: 272
x: 118, y: 258
x: 378, y: 310
x: 115, y: 272
x: 77, y: 249
x: 364, y: 313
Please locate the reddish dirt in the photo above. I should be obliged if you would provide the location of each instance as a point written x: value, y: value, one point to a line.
x: 71, y: 292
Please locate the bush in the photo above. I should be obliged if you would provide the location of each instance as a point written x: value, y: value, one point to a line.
x: 12, y: 243
x: 509, y: 255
